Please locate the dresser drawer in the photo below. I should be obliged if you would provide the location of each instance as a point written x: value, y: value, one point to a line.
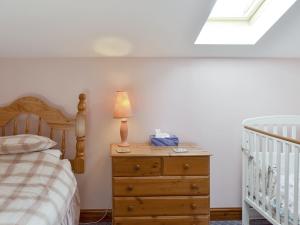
x: 136, y: 166
x: 160, y: 186
x: 186, y: 166
x: 163, y: 220
x: 160, y: 206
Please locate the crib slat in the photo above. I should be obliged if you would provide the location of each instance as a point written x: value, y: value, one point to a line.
x: 275, y: 144
x: 256, y: 169
x: 265, y: 147
x: 294, y: 132
x: 272, y: 151
x: 278, y: 183
x: 263, y: 182
x: 274, y: 148
x: 251, y: 172
x: 269, y: 174
x: 284, y: 131
x: 3, y: 131
x: 286, y: 149
x: 295, y: 150
x: 286, y: 184
x: 269, y: 184
x: 296, y: 183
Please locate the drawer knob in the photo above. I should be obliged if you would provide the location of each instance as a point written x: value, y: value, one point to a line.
x: 130, y: 208
x: 194, y: 186
x: 186, y: 166
x: 137, y: 167
x: 130, y: 188
x: 193, y: 206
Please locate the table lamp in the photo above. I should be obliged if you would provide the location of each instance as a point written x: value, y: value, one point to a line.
x: 123, y: 111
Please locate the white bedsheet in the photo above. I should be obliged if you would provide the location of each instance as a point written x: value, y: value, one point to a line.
x: 35, y: 189
x: 55, y: 152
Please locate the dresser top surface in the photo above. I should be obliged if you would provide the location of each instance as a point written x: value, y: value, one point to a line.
x: 148, y: 150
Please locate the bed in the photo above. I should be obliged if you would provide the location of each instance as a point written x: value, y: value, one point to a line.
x: 271, y: 148
x: 38, y: 187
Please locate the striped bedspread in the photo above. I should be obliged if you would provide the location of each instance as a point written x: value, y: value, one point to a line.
x: 35, y: 189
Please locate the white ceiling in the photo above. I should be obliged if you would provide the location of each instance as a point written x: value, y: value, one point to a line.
x: 133, y: 28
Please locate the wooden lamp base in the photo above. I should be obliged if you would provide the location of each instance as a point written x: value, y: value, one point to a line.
x: 124, y: 133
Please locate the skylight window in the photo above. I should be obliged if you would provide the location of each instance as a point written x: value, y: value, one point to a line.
x: 235, y: 9
x: 241, y: 22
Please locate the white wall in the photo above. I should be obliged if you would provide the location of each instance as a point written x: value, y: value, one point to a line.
x: 200, y: 100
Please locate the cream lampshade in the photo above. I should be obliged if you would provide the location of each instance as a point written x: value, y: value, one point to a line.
x: 123, y: 111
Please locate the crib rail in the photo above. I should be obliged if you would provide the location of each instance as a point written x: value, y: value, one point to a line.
x: 274, y: 135
x: 271, y: 169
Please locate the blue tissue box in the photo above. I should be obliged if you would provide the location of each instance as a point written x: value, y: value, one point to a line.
x: 170, y: 141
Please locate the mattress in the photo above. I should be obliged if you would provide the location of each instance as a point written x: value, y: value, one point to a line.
x: 37, y: 188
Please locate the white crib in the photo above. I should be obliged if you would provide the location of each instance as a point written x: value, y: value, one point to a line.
x: 271, y: 148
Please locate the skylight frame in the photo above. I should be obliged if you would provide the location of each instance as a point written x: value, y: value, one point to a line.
x: 244, y: 31
x: 250, y: 14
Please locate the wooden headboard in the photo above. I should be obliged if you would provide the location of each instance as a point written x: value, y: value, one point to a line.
x: 54, y: 118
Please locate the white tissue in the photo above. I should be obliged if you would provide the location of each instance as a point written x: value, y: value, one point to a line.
x: 159, y: 134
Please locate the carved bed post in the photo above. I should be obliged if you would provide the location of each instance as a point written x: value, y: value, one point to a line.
x: 78, y: 162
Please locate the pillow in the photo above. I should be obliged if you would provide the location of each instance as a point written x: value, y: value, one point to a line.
x: 24, y: 143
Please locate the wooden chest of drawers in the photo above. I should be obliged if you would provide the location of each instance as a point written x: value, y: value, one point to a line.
x: 156, y: 186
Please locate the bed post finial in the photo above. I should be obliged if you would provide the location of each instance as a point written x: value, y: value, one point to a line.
x: 81, y: 104
x: 78, y: 163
